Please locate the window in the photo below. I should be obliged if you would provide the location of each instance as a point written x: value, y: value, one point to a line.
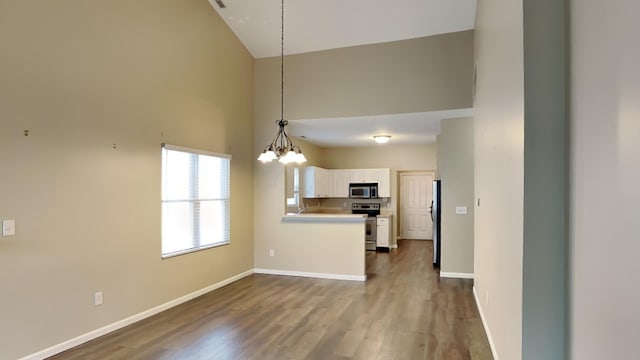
x: 195, y: 200
x: 293, y: 187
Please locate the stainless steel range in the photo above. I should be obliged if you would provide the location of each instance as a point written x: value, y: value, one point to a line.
x: 371, y: 210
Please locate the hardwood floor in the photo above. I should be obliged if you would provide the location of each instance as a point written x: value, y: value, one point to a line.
x: 404, y: 311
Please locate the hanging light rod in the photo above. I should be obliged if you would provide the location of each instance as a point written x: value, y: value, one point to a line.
x: 282, y: 147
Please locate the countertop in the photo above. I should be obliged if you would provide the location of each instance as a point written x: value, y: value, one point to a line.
x: 319, y: 217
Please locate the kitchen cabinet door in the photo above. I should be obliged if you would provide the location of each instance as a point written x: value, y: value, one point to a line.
x: 384, y: 232
x: 316, y: 182
x: 339, y: 183
x: 384, y: 183
x: 364, y: 175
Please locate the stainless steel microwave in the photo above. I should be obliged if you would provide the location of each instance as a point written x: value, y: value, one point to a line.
x: 363, y: 191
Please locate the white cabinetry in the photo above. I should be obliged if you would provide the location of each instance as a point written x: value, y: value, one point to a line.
x: 316, y: 182
x: 364, y: 175
x: 380, y: 176
x: 384, y: 183
x: 339, y: 183
x: 384, y: 232
x: 322, y: 183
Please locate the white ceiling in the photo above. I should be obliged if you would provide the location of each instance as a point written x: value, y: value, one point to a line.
x: 411, y: 128
x: 314, y: 25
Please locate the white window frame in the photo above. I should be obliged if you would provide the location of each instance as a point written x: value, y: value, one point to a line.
x: 195, y: 201
x: 295, y: 200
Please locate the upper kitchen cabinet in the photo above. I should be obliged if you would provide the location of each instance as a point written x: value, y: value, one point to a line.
x: 315, y: 182
x: 323, y: 183
x: 380, y: 176
x: 364, y: 176
x: 339, y: 180
x: 384, y: 183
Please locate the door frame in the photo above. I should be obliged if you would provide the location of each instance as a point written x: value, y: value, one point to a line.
x: 399, y: 174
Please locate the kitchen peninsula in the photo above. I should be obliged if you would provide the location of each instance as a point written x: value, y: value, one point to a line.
x: 319, y: 245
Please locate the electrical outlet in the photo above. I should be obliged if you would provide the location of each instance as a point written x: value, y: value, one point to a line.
x: 272, y: 252
x: 461, y: 210
x: 97, y: 298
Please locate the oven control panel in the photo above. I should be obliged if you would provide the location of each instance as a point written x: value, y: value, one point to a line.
x: 365, y: 207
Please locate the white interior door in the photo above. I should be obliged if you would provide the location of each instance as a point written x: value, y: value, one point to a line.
x: 416, y: 195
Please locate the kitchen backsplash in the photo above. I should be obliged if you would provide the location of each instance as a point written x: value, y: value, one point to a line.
x: 343, y: 205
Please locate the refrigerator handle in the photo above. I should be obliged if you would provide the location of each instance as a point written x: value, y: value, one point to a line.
x: 431, y: 210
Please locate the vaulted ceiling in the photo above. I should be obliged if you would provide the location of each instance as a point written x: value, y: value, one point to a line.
x: 313, y: 25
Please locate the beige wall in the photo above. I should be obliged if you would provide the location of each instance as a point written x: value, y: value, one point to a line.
x: 396, y: 157
x: 605, y: 85
x: 329, y: 248
x: 455, y: 153
x: 271, y: 191
x: 82, y: 76
x: 316, y: 248
x: 520, y: 170
x: 499, y: 147
x: 426, y: 74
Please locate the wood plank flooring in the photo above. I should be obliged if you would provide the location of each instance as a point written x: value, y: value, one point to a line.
x: 404, y: 311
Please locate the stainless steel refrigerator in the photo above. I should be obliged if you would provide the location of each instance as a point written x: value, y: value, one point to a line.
x: 436, y: 206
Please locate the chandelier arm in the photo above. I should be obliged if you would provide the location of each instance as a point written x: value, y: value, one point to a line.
x: 290, y: 144
x: 281, y: 137
x: 280, y: 145
x: 275, y: 138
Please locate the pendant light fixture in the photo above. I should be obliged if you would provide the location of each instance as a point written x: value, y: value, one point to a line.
x: 282, y: 147
x: 382, y: 139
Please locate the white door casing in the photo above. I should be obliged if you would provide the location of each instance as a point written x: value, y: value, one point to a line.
x: 416, y: 196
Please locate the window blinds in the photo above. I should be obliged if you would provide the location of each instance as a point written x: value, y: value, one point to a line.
x: 195, y: 200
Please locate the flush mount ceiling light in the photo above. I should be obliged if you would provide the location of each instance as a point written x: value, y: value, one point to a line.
x: 381, y: 139
x: 282, y: 148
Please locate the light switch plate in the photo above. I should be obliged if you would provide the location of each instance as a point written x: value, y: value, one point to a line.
x: 98, y: 298
x: 8, y: 227
x: 461, y: 210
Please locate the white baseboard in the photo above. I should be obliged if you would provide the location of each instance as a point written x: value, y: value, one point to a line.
x: 53, y: 350
x: 394, y: 246
x: 484, y: 324
x: 444, y: 274
x: 312, y: 275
